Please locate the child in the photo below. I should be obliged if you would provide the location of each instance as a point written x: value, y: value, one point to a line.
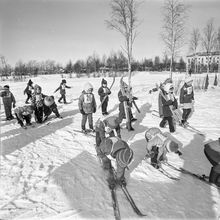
x: 24, y: 114
x: 8, y: 102
x: 103, y: 92
x: 62, y: 89
x: 28, y: 90
x: 37, y: 101
x: 169, y: 103
x: 116, y: 153
x: 158, y: 145
x: 109, y: 126
x: 49, y: 107
x: 87, y: 106
x: 187, y: 100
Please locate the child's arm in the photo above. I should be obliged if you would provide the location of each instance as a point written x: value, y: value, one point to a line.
x: 57, y: 89
x: 68, y: 87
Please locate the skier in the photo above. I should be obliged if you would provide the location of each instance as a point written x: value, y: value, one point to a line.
x: 128, y: 98
x: 87, y: 106
x: 8, y: 101
x: 24, y: 114
x: 158, y: 145
x: 62, y: 89
x: 28, y: 90
x: 103, y: 92
x: 168, y: 104
x: 49, y: 107
x: 187, y: 100
x: 37, y: 101
x: 109, y: 126
x: 115, y: 153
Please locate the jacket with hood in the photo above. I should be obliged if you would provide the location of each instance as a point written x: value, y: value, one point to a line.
x: 87, y: 101
x: 37, y: 99
x: 29, y: 87
x: 103, y: 91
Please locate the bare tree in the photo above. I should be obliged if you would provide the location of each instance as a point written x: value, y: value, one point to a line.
x: 194, y: 44
x: 174, y: 18
x: 217, y: 47
x: 208, y: 40
x: 124, y: 20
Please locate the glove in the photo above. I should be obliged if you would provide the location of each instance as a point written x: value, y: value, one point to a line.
x: 134, y: 98
x: 122, y: 182
x: 94, y: 111
x: 14, y: 105
x: 82, y: 112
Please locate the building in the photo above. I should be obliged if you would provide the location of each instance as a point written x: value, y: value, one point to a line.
x: 199, y: 62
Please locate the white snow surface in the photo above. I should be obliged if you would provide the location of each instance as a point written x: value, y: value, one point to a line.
x: 52, y: 172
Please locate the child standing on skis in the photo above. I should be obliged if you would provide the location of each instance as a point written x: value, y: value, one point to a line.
x: 28, y: 90
x: 103, y: 92
x: 8, y: 101
x: 169, y: 103
x: 62, y: 89
x: 187, y: 100
x: 87, y: 106
x: 115, y: 153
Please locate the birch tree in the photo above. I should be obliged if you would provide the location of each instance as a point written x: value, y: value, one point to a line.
x: 194, y: 44
x: 174, y: 18
x: 208, y: 40
x: 124, y: 20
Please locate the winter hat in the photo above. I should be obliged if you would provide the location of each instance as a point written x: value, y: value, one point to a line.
x: 124, y: 157
x: 104, y: 82
x: 6, y: 87
x: 168, y: 80
x: 151, y: 132
x: 88, y: 86
x: 168, y: 87
x: 48, y: 100
x: 63, y: 81
x: 30, y: 82
x: 111, y: 122
x: 29, y: 109
x: 188, y: 80
x: 172, y: 146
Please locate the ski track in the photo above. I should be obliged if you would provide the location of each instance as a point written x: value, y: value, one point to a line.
x: 52, y: 172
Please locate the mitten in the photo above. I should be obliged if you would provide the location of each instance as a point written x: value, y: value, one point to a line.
x: 94, y: 110
x: 134, y: 98
x: 14, y: 105
x: 82, y: 112
x: 122, y: 182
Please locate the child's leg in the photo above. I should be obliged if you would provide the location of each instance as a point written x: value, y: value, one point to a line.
x: 27, y: 118
x: 163, y: 122
x: 170, y: 122
x: 90, y: 121
x: 188, y: 113
x: 64, y: 99
x: 20, y: 122
x: 83, y: 123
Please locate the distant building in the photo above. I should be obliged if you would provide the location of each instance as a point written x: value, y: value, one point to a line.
x: 199, y: 62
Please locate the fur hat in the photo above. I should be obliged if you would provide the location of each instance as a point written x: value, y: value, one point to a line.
x: 88, y: 86
x: 124, y: 157
x: 104, y: 82
x: 48, y: 100
x: 63, y: 81
x: 172, y: 146
x: 188, y: 80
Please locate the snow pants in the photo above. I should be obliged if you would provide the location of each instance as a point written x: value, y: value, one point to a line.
x: 84, y: 119
x: 39, y: 113
x: 186, y: 113
x: 170, y: 122
x: 63, y: 96
x: 26, y: 118
x: 104, y: 106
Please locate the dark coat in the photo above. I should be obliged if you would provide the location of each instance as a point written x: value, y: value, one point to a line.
x: 104, y: 91
x: 62, y: 88
x: 87, y: 102
x: 186, y: 94
x: 167, y: 105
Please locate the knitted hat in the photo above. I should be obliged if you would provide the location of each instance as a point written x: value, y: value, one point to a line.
x: 124, y: 157
x: 36, y: 87
x: 172, y: 146
x: 48, y: 100
x: 88, y: 86
x: 104, y: 82
x: 188, y: 80
x: 30, y: 82
x: 168, y: 80
x: 63, y: 81
x: 151, y: 132
x: 111, y: 122
x: 29, y: 109
x: 6, y: 87
x: 168, y: 87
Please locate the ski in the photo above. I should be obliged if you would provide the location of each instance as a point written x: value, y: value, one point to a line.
x: 88, y: 132
x: 131, y: 201
x: 203, y: 177
x: 115, y: 204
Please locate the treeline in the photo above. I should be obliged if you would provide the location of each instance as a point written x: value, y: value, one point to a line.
x: 115, y: 62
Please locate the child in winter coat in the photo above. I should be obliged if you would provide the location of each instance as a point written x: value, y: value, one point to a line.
x: 126, y: 98
x: 87, y: 106
x: 24, y: 114
x: 169, y: 103
x: 28, y: 90
x: 8, y: 101
x: 62, y: 89
x: 158, y: 145
x: 37, y: 101
x: 115, y: 153
x: 103, y: 92
x: 187, y: 100
x: 109, y: 126
x: 49, y: 107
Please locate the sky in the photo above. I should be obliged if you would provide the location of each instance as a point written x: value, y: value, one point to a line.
x: 64, y: 30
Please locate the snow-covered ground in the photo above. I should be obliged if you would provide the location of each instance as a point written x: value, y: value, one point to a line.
x: 52, y: 172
